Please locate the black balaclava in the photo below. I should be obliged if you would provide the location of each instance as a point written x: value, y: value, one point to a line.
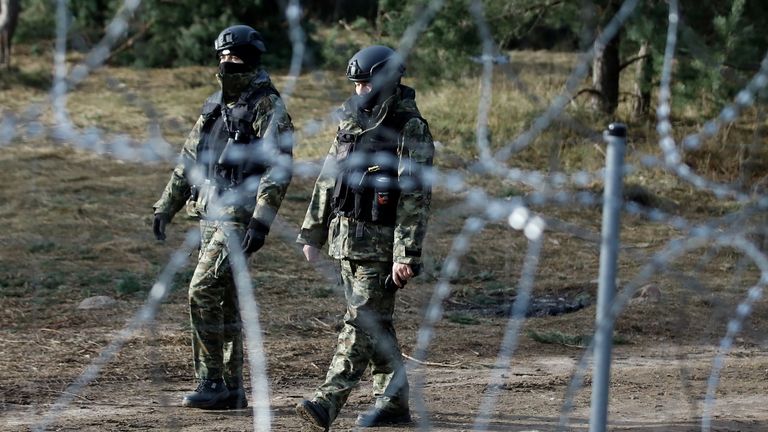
x: 368, y: 101
x: 235, y: 77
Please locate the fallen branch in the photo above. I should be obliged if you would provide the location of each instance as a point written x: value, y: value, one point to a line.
x: 129, y: 42
x: 321, y: 323
x: 426, y: 363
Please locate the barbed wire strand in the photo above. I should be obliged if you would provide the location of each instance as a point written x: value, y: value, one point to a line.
x: 144, y: 316
x: 293, y: 12
x: 433, y: 313
x: 577, y: 75
x: 64, y: 130
x: 534, y: 232
x: 743, y: 310
x: 249, y: 311
x: 699, y: 237
x: 486, y: 83
x: 672, y: 157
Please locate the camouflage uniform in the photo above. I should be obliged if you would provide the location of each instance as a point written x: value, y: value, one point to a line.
x: 225, y: 210
x: 367, y: 250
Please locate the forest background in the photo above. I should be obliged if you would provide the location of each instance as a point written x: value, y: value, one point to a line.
x: 77, y: 213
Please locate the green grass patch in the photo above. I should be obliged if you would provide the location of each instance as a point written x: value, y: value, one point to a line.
x: 559, y: 338
x: 181, y: 279
x: 41, y: 246
x: 462, y: 318
x: 129, y: 284
x: 321, y: 292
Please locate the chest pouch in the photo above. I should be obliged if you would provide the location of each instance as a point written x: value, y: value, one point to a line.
x: 228, y: 145
x: 243, y: 153
x: 366, y: 186
x: 342, y: 201
x: 385, y: 195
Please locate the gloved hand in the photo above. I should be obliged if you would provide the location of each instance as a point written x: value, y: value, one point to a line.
x: 158, y: 226
x: 254, y: 236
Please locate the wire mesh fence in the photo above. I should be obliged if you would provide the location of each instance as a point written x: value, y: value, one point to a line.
x: 528, y: 224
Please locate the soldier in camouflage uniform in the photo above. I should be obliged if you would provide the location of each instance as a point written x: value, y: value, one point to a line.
x: 233, y: 173
x: 371, y: 202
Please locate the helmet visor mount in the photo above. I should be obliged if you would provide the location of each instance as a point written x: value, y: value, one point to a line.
x: 356, y: 73
x: 242, y: 41
x: 226, y: 39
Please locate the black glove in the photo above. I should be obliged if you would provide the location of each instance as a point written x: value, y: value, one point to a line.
x: 254, y: 236
x: 158, y: 226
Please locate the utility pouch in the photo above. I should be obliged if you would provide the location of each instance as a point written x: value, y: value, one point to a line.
x: 384, y: 199
x: 239, y: 122
x: 231, y: 156
x: 358, y: 184
x: 192, y: 202
x: 207, y: 192
x: 346, y: 143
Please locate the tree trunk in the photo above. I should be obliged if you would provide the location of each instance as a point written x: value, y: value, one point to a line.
x: 605, y: 76
x: 9, y: 17
x: 643, y: 82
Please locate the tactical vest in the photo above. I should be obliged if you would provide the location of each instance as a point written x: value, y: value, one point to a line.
x: 229, y: 148
x: 367, y: 187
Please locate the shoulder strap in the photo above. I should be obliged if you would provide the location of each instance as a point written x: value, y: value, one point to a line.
x: 252, y: 98
x: 212, y: 105
x: 400, y: 118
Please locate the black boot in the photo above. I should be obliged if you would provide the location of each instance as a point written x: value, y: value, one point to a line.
x: 314, y: 415
x: 237, y: 398
x: 379, y: 417
x: 209, y: 394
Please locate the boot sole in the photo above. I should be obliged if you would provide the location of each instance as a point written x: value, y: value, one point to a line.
x: 237, y: 404
x: 207, y: 406
x: 310, y: 420
x: 398, y: 421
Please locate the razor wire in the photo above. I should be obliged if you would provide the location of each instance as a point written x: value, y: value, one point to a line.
x: 535, y: 235
x: 249, y: 310
x: 573, y: 81
x: 483, y: 208
x: 143, y: 317
x: 660, y: 262
x: 298, y: 42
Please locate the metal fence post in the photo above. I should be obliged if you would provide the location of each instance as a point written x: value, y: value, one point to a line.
x: 616, y: 138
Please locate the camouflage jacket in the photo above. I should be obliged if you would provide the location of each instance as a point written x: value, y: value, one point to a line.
x: 352, y: 239
x: 192, y: 184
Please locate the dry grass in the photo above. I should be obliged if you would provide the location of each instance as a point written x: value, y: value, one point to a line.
x: 76, y: 223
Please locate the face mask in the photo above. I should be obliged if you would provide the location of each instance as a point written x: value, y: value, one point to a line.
x: 228, y: 68
x: 234, y: 78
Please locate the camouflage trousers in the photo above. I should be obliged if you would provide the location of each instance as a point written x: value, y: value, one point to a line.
x: 217, y: 340
x: 368, y: 338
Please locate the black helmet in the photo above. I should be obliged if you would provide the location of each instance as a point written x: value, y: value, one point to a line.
x: 373, y: 59
x: 242, y: 41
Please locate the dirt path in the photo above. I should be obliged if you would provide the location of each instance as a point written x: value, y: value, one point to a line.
x: 653, y: 389
x: 659, y: 374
